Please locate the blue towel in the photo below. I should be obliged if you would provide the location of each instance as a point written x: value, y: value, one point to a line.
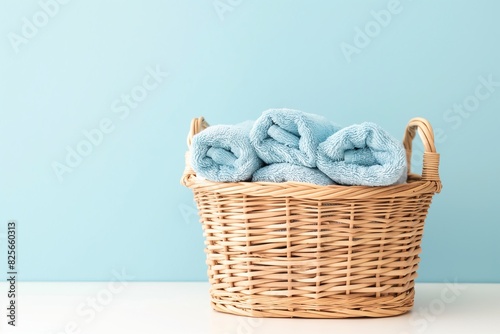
x: 360, y: 156
x: 223, y: 153
x: 292, y: 136
x: 283, y: 172
x: 387, y: 167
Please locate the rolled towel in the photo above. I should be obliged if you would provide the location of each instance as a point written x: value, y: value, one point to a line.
x: 387, y: 167
x: 223, y: 153
x: 292, y: 136
x: 283, y: 172
x: 360, y: 156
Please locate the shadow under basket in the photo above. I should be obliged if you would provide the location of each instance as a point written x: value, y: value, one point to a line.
x: 302, y: 250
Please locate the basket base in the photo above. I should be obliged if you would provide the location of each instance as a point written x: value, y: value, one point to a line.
x: 336, y: 307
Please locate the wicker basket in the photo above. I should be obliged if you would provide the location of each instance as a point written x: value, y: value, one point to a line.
x: 302, y: 250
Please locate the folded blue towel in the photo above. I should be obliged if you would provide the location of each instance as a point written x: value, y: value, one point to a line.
x: 292, y: 136
x: 283, y: 172
x: 360, y: 156
x: 223, y: 153
x: 387, y: 167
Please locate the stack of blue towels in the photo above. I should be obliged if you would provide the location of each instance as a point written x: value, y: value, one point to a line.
x: 290, y: 145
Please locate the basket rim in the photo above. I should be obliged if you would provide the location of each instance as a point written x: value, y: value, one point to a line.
x: 299, y: 190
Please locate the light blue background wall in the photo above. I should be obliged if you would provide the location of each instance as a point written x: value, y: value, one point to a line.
x: 122, y: 207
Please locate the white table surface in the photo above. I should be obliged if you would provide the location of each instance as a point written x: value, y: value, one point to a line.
x: 113, y: 307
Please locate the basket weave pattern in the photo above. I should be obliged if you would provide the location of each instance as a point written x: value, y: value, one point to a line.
x: 302, y: 250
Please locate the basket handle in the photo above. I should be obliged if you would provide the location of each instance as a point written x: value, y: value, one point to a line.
x: 430, y: 167
x: 197, y: 124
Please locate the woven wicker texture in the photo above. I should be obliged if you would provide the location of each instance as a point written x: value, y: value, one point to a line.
x: 302, y: 250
